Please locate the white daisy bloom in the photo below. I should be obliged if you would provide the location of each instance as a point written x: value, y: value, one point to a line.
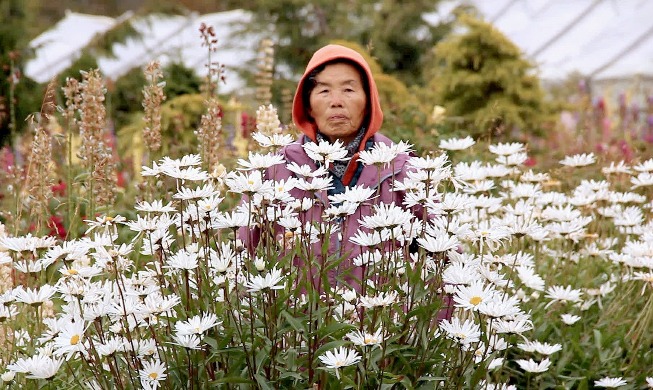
x: 610, y: 382
x: 464, y: 333
x: 533, y: 366
x: 366, y: 339
x: 339, y: 357
x: 271, y: 280
x: 579, y: 160
x: 505, y: 149
x: 152, y: 373
x: 457, y: 143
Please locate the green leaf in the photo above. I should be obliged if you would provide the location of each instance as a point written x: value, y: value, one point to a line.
x: 296, y: 324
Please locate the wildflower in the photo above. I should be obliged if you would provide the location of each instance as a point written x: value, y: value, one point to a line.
x: 569, y: 319
x: 464, y: 333
x: 579, y: 160
x: 272, y: 141
x: 188, y: 341
x: 380, y: 154
x: 559, y: 293
x: 205, y: 191
x: 247, y: 183
x: 456, y: 143
x: 539, y: 347
x: 530, y: 279
x: 70, y: 339
x: 646, y: 166
x: 381, y: 300
x: 260, y: 161
x: 649, y: 382
x: 517, y: 326
x: 534, y: 177
x: 183, y: 259
x: 620, y: 167
x: 532, y: 366
x: 498, y: 308
x: 470, y: 297
x: 439, y: 244
x: 306, y: 170
x: 34, y: 297
x: 366, y: 339
x: 325, y: 152
x: 512, y: 160
x: 188, y: 160
x: 37, y: 366
x: 356, y: 194
x: 505, y: 149
x: 338, y: 358
x: 271, y: 280
x: 460, y: 273
x: 152, y: 373
x: 610, y: 382
x: 156, y: 206
x: 643, y: 179
x: 495, y: 363
x: 316, y: 184
x: 104, y: 222
x: 7, y: 312
x: 8, y: 376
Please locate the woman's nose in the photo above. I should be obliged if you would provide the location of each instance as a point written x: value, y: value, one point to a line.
x: 336, y: 99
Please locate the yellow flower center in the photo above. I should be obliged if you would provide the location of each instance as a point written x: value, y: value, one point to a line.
x: 153, y: 375
x: 73, y: 272
x: 475, y: 300
x: 74, y: 340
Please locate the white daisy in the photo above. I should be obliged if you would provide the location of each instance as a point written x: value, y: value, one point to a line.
x: 152, y: 373
x: 464, y: 333
x: 260, y: 161
x: 339, y: 357
x: 579, y: 160
x: 610, y: 382
x: 563, y: 294
x: 37, y: 367
x: 569, y: 319
x: 533, y: 366
x: 325, y: 152
x: 366, y: 339
x: 271, y: 280
x: 456, y: 143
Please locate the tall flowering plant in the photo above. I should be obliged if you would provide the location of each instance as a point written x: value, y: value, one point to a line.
x: 190, y: 293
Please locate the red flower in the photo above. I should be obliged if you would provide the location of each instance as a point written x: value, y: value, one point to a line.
x: 56, y: 227
x: 59, y: 188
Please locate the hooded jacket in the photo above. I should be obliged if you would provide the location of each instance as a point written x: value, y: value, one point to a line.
x: 367, y: 176
x: 380, y: 179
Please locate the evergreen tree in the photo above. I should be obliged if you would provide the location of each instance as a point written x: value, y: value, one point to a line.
x: 400, y: 35
x: 18, y: 96
x: 481, y: 77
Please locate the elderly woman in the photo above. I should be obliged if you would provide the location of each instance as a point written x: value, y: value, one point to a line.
x: 337, y: 101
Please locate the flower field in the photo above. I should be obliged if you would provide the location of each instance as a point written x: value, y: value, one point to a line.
x: 491, y: 274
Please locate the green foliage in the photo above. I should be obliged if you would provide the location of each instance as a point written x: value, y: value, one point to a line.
x: 482, y: 77
x: 19, y: 96
x: 399, y: 37
x: 397, y: 34
x: 84, y: 62
x: 180, y: 116
x: 126, y: 94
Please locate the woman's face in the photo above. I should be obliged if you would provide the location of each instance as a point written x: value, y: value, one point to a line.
x: 338, y: 103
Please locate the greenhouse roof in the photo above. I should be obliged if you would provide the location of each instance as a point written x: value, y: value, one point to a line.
x: 600, y: 39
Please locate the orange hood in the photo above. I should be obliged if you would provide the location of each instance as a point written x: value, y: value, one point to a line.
x: 300, y: 107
